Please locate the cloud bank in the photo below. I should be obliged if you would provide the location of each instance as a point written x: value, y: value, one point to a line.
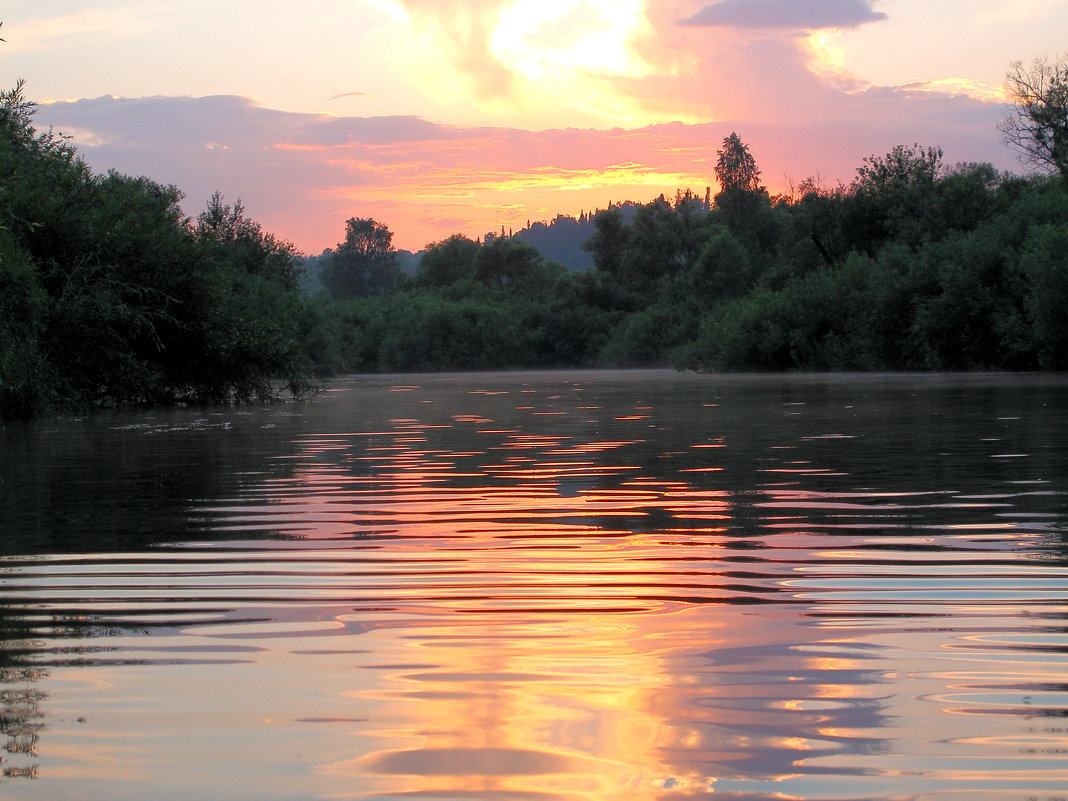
x: 302, y: 175
x: 556, y: 107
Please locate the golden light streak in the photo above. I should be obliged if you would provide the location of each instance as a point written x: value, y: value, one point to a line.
x: 467, y: 182
x: 976, y: 90
x: 461, y: 182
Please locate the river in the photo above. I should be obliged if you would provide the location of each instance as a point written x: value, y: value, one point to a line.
x: 544, y: 587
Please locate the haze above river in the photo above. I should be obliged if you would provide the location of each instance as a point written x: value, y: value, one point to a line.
x: 544, y: 587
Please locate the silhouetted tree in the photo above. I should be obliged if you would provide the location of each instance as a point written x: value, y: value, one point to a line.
x: 225, y: 231
x: 447, y: 262
x: 366, y: 263
x: 892, y: 197
x: 608, y: 242
x: 1037, y: 125
x: 903, y: 168
x: 735, y: 166
x: 722, y: 270
x: 515, y: 266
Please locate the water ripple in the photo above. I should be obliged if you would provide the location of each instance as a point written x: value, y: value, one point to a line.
x: 566, y: 587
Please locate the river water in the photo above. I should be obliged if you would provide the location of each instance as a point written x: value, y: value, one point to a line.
x: 542, y: 587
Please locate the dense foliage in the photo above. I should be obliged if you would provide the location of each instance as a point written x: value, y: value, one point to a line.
x: 108, y: 295
x: 912, y: 266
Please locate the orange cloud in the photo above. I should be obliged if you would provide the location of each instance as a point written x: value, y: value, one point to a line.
x: 302, y: 175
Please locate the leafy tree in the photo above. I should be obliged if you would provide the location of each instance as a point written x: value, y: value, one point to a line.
x: 954, y: 320
x: 902, y: 168
x: 512, y: 265
x: 608, y: 242
x: 447, y: 262
x: 1037, y: 125
x: 746, y: 334
x: 692, y: 225
x: 24, y: 384
x: 660, y: 242
x: 226, y: 231
x: 647, y: 337
x: 750, y: 217
x: 1045, y: 264
x: 735, y: 166
x: 654, y: 246
x: 811, y: 236
x: 891, y: 197
x: 365, y: 264
x: 966, y: 196
x: 723, y: 270
x: 742, y: 205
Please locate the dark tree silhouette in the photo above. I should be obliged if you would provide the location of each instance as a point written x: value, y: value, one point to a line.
x: 1037, y: 125
x: 735, y: 166
x: 366, y: 263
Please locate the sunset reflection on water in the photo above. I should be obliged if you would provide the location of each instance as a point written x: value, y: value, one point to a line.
x: 572, y: 587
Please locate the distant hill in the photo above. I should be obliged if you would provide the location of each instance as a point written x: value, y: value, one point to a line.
x: 561, y: 239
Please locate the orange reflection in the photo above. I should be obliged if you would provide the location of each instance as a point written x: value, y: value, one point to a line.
x: 578, y: 663
x: 524, y: 705
x: 565, y: 622
x: 563, y: 677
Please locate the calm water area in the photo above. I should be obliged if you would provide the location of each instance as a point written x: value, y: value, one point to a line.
x: 544, y: 587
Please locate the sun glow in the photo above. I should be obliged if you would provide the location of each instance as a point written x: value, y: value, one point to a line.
x: 391, y: 8
x: 826, y: 57
x: 543, y: 38
x: 569, y: 55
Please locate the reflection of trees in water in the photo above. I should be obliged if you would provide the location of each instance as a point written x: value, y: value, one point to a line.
x: 23, y: 642
x: 21, y: 716
x: 21, y: 720
x: 121, y: 480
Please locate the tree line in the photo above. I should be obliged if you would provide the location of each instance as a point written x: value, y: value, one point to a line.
x: 109, y: 295
x: 912, y: 266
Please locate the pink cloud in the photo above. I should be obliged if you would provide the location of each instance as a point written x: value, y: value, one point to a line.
x: 302, y: 175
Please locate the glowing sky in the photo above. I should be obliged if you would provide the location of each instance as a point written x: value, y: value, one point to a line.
x: 445, y: 116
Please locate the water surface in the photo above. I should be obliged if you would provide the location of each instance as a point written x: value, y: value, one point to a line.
x: 632, y: 585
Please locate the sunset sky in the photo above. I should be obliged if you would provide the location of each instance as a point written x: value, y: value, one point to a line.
x: 459, y: 116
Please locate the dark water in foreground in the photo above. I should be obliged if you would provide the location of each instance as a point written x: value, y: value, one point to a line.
x: 548, y: 586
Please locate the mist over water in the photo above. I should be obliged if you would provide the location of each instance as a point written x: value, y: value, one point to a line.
x: 566, y: 585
